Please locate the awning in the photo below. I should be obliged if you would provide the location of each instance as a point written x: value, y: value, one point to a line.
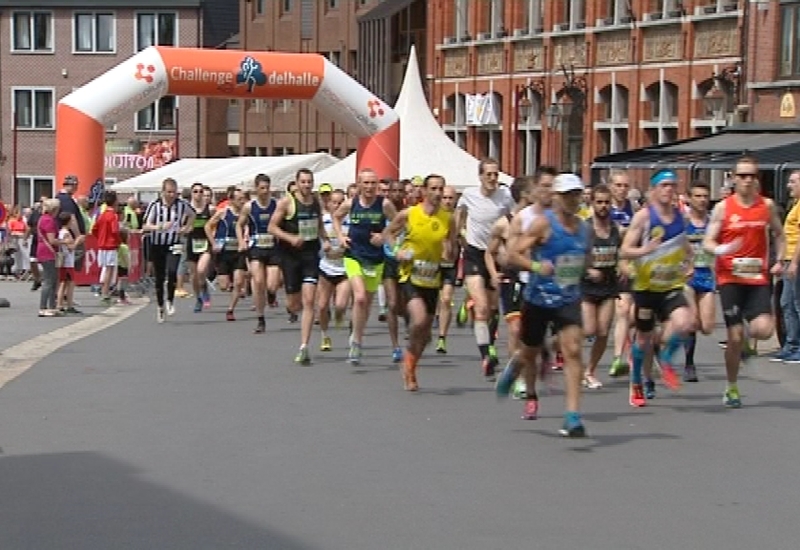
x: 774, y: 148
x: 387, y: 8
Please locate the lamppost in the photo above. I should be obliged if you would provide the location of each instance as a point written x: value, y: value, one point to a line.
x: 522, y: 112
x: 572, y: 106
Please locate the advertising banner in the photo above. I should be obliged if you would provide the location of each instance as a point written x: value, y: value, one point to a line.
x: 90, y: 274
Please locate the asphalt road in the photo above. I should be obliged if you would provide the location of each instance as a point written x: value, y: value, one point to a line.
x: 198, y: 434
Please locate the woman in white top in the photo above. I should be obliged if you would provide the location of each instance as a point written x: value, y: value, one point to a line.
x: 66, y: 271
x: 332, y: 278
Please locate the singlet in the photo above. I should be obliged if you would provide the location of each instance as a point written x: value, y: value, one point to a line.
x: 703, y: 277
x: 482, y: 212
x: 198, y: 242
x: 663, y: 269
x: 527, y: 216
x: 364, y: 221
x: 304, y: 221
x: 749, y: 264
x: 603, y: 256
x: 622, y: 216
x: 425, y: 237
x: 225, y: 235
x: 260, y: 216
x: 567, y: 252
x: 333, y: 266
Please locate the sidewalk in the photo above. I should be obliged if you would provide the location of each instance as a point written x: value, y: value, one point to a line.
x: 21, y: 322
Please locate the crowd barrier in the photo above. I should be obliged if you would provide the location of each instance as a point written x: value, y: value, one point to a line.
x: 90, y: 274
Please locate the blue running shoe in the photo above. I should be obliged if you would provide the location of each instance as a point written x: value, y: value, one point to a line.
x: 649, y: 389
x: 198, y: 306
x: 573, y: 425
x: 397, y: 355
x: 506, y: 380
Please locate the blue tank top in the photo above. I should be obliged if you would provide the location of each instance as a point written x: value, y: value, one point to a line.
x: 703, y: 277
x: 226, y: 229
x: 259, y: 222
x: 622, y: 216
x: 364, y: 221
x: 567, y: 252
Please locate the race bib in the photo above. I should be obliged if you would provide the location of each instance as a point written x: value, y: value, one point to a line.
x: 369, y: 270
x: 177, y: 249
x: 702, y: 259
x: 308, y: 229
x: 265, y: 240
x: 424, y: 273
x: 569, y: 269
x: 199, y: 246
x: 604, y: 256
x: 666, y: 275
x: 748, y: 268
x: 231, y: 244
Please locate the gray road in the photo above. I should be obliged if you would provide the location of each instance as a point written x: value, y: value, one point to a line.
x: 197, y: 434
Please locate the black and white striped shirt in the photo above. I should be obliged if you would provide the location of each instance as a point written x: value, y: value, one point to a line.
x: 160, y: 213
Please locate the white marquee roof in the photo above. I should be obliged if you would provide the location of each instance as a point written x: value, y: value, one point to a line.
x: 424, y: 146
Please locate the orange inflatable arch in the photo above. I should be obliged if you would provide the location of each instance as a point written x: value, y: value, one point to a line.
x: 81, y: 117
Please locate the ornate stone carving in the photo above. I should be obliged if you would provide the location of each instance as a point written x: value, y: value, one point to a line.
x: 613, y: 48
x: 569, y: 51
x: 491, y: 59
x: 455, y: 63
x: 716, y: 38
x: 663, y: 44
x: 528, y: 56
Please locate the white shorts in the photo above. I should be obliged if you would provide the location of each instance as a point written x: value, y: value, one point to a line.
x: 106, y: 258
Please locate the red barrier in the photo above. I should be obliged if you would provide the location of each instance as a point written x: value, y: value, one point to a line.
x: 90, y: 274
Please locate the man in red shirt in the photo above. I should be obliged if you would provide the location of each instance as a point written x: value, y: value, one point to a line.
x: 106, y: 231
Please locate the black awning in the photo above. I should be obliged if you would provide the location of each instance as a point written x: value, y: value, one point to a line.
x: 385, y: 9
x: 772, y: 148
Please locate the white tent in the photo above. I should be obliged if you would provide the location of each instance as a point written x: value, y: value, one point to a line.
x: 220, y: 173
x: 424, y: 147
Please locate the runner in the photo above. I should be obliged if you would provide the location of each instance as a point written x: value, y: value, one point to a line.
x: 449, y: 277
x: 478, y: 208
x: 656, y: 241
x: 363, y: 258
x: 700, y: 288
x: 430, y: 235
x: 333, y: 281
x: 255, y: 236
x: 600, y: 284
x: 230, y: 262
x: 198, y: 250
x: 394, y: 300
x: 554, y: 250
x: 297, y: 223
x: 738, y: 236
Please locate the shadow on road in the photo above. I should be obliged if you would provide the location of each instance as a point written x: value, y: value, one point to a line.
x: 85, y: 500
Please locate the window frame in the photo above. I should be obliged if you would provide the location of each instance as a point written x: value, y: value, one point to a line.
x: 158, y: 129
x: 31, y: 178
x: 33, y: 90
x: 32, y: 50
x: 332, y: 5
x: 155, y: 13
x: 94, y: 50
x: 794, y: 46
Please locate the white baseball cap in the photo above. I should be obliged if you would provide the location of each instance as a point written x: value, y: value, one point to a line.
x: 564, y: 183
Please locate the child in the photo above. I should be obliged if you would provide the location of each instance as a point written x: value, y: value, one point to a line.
x: 123, y: 261
x: 66, y: 272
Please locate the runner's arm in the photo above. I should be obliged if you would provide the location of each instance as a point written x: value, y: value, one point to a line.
x: 187, y: 225
x: 495, y: 240
x: 629, y: 249
x: 212, y: 223
x: 710, y: 242
x: 451, y: 244
x: 241, y: 224
x: 338, y: 216
x: 150, y: 219
x: 395, y: 227
x: 777, y: 232
x: 277, y: 218
x: 519, y: 251
x: 389, y: 210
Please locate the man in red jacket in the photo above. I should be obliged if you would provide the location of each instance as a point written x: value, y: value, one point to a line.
x: 106, y: 231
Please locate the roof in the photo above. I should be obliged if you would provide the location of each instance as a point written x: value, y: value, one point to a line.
x: 424, y: 146
x: 89, y: 4
x: 774, y: 147
x: 385, y: 9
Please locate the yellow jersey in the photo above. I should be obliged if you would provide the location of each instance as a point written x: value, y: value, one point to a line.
x: 585, y: 212
x: 425, y: 238
x: 791, y: 229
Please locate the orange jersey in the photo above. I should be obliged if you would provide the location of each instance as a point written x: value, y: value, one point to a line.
x: 749, y: 265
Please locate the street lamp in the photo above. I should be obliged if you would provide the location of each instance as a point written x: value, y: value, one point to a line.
x: 553, y: 115
x: 524, y: 108
x: 715, y: 101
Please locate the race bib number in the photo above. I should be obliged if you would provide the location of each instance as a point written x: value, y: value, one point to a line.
x: 424, y: 273
x: 666, y: 275
x: 748, y: 268
x: 199, y: 246
x: 604, y: 256
x: 177, y: 249
x: 702, y: 259
x: 569, y: 269
x: 308, y: 229
x: 265, y: 240
x: 231, y: 244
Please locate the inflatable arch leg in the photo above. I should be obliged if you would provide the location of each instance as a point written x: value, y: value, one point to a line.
x: 81, y: 117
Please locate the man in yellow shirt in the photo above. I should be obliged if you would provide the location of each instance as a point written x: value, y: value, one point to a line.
x: 790, y: 297
x: 430, y: 236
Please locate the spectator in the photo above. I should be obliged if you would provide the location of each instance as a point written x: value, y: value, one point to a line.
x: 78, y: 225
x: 66, y: 272
x: 48, y: 243
x: 106, y: 231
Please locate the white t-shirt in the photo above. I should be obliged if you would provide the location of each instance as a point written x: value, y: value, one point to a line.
x: 483, y: 212
x: 527, y: 216
x: 333, y: 267
x: 69, y: 255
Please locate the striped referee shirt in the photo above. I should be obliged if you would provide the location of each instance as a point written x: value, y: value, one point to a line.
x: 159, y: 213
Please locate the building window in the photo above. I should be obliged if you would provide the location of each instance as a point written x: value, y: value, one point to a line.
x: 32, y: 31
x: 94, y: 32
x: 30, y: 189
x: 259, y: 7
x: 535, y: 18
x: 34, y: 108
x: 462, y: 19
x: 286, y: 7
x: 492, y: 13
x: 790, y: 41
x: 333, y: 4
x: 159, y: 116
x: 663, y: 9
x: 156, y: 29
x: 574, y: 15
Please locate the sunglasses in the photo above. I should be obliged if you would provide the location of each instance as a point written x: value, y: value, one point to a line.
x: 747, y: 175
x: 196, y: 191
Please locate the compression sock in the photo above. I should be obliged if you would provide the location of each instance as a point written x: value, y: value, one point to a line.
x: 482, y: 337
x: 494, y: 321
x: 637, y: 353
x: 689, y: 344
x: 673, y: 343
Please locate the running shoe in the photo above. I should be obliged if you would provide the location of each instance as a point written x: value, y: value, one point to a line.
x: 493, y: 352
x: 505, y: 381
x: 637, y: 396
x: 229, y: 316
x: 354, y: 356
x: 731, y: 399
x: 649, y: 389
x: 747, y: 351
x: 779, y: 355
x: 558, y: 365
x: 198, y: 306
x: 793, y: 359
x: 520, y: 391
x: 382, y: 315
x: 326, y: 344
x: 160, y: 315
x: 618, y: 368
x: 573, y: 426
x: 397, y: 355
x: 170, y: 309
x: 591, y: 382
x: 206, y: 300
x: 531, y: 410
x: 488, y: 365
x: 462, y: 316
x: 72, y: 311
x: 690, y: 373
x: 441, y: 345
x: 668, y: 374
x: 260, y: 328
x: 293, y: 317
x: 302, y: 357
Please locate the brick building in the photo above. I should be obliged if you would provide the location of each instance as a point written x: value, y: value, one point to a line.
x: 58, y: 46
x: 567, y: 81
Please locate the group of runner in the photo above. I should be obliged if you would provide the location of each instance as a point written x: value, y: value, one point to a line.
x: 531, y: 253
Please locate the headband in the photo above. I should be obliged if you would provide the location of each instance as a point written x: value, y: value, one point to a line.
x: 661, y: 176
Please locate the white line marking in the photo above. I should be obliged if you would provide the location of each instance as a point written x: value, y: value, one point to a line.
x: 19, y: 358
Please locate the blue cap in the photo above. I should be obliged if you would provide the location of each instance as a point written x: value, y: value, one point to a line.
x: 663, y: 175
